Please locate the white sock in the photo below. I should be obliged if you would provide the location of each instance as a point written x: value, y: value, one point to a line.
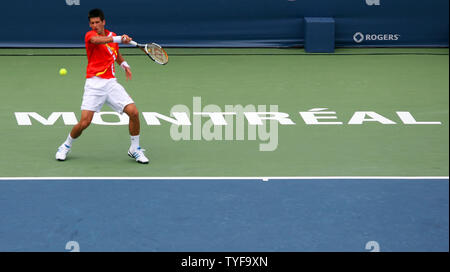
x: 69, y: 141
x: 134, y: 142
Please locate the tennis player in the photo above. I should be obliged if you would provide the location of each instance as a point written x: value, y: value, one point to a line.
x: 102, y: 87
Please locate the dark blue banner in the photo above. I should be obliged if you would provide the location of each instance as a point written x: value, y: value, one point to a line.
x: 227, y: 23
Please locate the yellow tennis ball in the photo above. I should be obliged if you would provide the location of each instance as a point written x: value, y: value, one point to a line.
x: 63, y: 71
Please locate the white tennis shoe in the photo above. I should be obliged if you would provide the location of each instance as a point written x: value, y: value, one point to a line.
x: 138, y: 154
x: 62, y: 152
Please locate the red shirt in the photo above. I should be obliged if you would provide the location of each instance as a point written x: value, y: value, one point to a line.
x: 101, y: 57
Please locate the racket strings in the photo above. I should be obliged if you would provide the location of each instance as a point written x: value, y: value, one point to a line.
x: 157, y: 53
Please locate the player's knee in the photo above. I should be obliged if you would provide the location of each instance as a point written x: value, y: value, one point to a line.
x: 85, y: 123
x: 133, y: 113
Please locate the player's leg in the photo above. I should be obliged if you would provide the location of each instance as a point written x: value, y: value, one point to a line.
x: 135, y: 151
x: 85, y: 121
x: 134, y: 126
x: 93, y: 99
x: 120, y: 101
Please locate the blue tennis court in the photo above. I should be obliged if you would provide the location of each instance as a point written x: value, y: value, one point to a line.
x: 252, y: 215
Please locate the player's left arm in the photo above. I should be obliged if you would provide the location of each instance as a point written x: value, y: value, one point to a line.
x: 121, y: 61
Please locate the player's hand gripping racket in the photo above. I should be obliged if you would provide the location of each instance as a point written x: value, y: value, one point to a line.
x: 154, y: 51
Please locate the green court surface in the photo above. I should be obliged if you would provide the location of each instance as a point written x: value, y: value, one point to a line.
x: 384, y: 81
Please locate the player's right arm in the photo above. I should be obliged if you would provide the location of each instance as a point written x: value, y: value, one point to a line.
x: 108, y: 39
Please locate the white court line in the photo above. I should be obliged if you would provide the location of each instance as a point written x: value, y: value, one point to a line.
x: 233, y: 178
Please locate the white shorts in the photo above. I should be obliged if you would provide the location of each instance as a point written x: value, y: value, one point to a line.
x: 98, y: 91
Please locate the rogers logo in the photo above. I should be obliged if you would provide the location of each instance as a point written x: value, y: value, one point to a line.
x: 359, y: 37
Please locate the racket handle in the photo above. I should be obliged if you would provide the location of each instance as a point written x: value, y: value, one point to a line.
x: 133, y: 43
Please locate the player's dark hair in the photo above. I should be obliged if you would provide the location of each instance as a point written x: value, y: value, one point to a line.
x: 93, y: 13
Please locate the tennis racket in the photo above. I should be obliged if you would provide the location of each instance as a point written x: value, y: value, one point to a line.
x: 154, y: 51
